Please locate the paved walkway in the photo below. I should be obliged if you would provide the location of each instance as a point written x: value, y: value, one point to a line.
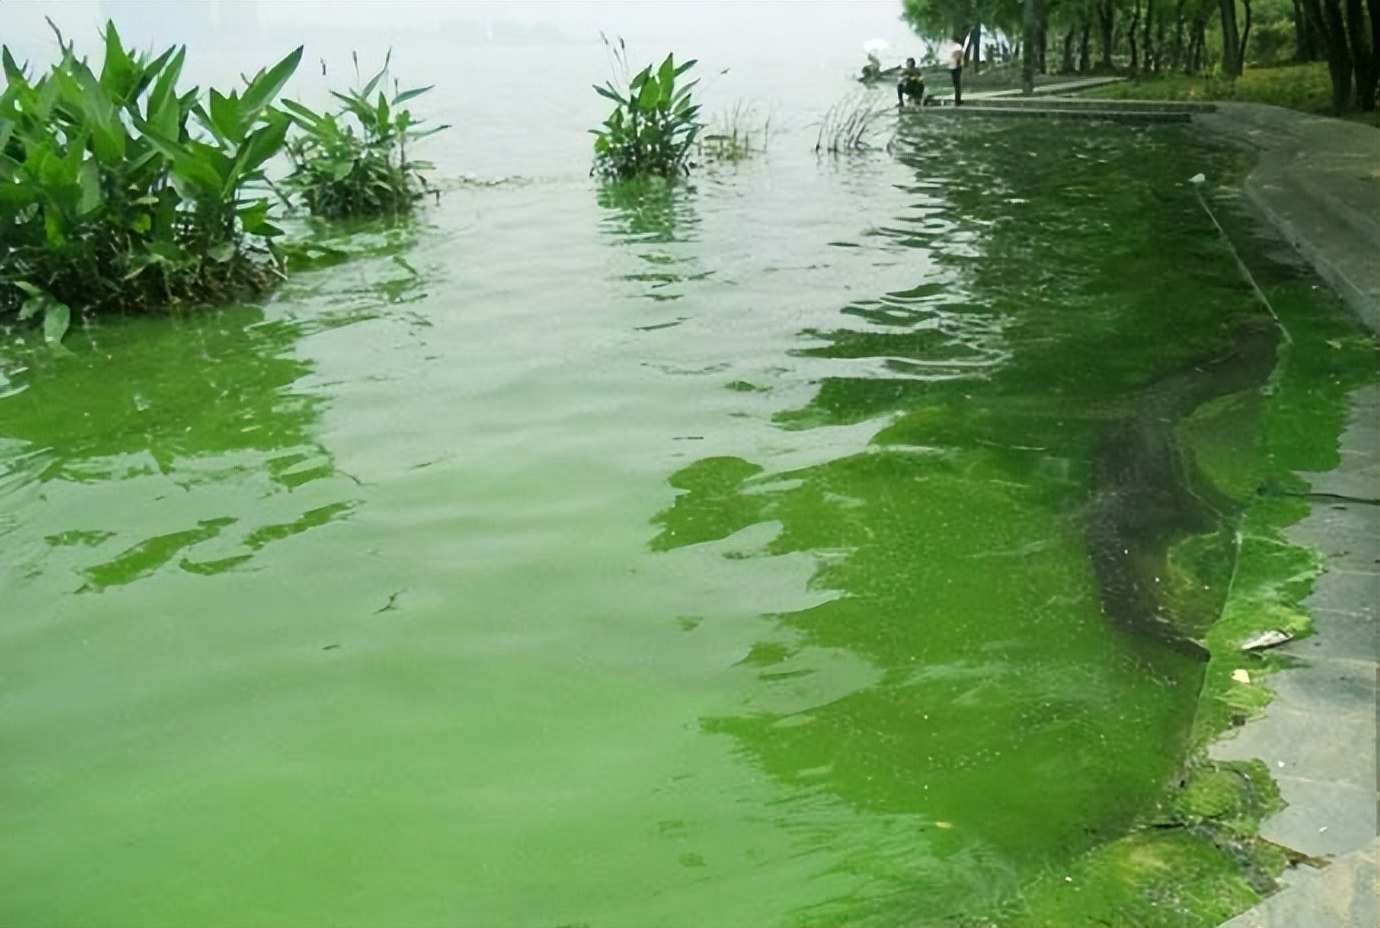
x: 1318, y: 181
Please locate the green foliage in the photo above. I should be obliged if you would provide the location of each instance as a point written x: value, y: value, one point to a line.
x: 343, y: 173
x: 117, y: 192
x: 1303, y: 87
x: 653, y: 125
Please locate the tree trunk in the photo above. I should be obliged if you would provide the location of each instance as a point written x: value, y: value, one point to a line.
x: 1028, y: 28
x: 1066, y: 62
x: 1042, y: 35
x: 1197, y: 43
x: 1106, y: 25
x: 1131, y: 37
x: 1373, y: 8
x: 1084, y: 55
x: 1231, y: 39
x: 1362, y: 55
x: 1326, y: 17
x: 1305, y: 36
x: 1178, y: 46
x: 1245, y: 38
x: 1151, y: 53
x: 975, y: 45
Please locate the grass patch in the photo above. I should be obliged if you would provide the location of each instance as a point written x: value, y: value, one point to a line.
x: 1302, y: 87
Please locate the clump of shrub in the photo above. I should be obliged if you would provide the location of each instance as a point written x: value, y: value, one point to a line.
x: 340, y: 173
x: 653, y: 126
x: 119, y: 193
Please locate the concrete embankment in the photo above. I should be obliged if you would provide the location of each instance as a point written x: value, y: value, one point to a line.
x: 1317, y: 181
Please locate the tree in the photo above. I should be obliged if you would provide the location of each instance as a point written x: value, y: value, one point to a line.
x: 1349, y: 47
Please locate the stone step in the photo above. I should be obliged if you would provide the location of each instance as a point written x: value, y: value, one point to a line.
x: 1047, y: 112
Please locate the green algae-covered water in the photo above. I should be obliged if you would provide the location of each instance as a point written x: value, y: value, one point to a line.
x: 721, y: 554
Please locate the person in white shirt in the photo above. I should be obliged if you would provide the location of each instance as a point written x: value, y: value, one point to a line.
x: 956, y: 71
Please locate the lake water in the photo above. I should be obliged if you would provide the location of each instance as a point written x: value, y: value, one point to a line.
x: 712, y: 555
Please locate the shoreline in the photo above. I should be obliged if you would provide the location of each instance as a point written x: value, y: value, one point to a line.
x: 1316, y: 181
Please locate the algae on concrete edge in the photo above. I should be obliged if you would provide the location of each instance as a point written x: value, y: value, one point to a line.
x: 1198, y: 859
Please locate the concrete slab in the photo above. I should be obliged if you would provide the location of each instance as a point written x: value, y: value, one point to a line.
x: 1035, y: 112
x: 1317, y: 180
x: 1342, y: 894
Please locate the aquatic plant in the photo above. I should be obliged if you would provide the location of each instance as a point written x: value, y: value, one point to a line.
x: 848, y: 125
x: 653, y: 126
x: 735, y: 135
x: 340, y: 173
x: 119, y: 193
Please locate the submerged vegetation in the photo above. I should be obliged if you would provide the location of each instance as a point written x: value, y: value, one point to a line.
x: 736, y: 135
x: 120, y: 193
x: 654, y: 123
x: 849, y: 125
x: 340, y: 174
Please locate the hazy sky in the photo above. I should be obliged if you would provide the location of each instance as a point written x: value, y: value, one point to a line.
x: 804, y: 25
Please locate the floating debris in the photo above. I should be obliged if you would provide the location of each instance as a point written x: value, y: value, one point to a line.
x: 1267, y: 639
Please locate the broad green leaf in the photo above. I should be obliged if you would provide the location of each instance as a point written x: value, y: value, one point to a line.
x: 411, y: 94
x: 93, y: 111
x: 266, y: 86
x: 89, y: 179
x: 163, y: 111
x: 253, y: 216
x: 149, y: 71
x: 611, y: 94
x: 56, y: 318
x: 120, y: 73
x: 226, y: 116
x: 261, y: 144
x: 666, y: 76
x: 374, y: 82
x: 14, y: 74
x: 189, y: 165
x: 221, y: 252
x: 305, y: 117
x: 650, y: 94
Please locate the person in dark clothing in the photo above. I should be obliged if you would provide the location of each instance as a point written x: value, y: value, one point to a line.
x: 910, y: 83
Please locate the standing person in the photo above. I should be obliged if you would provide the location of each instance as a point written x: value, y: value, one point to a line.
x: 910, y: 83
x: 956, y: 71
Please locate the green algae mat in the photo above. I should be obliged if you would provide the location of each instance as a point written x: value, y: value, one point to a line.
x: 843, y: 542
